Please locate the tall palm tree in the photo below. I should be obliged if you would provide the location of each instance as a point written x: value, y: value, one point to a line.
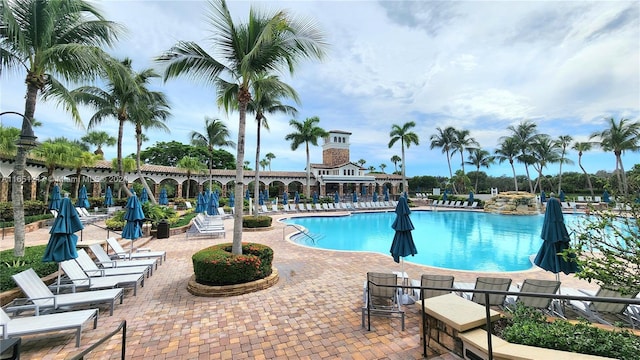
x: 151, y: 112
x: 266, y: 42
x: 306, y: 132
x: 508, y: 150
x: 382, y: 167
x: 525, y: 133
x: 406, y: 137
x: 462, y: 142
x: 191, y: 165
x: 444, y: 139
x: 263, y: 164
x: 546, y: 151
x: 79, y: 160
x: 124, y: 90
x: 563, y: 141
x: 395, y: 159
x: 127, y: 165
x: 99, y: 139
x: 216, y: 134
x: 480, y: 158
x: 269, y: 157
x: 53, y: 153
x: 581, y: 148
x: 619, y: 137
x: 51, y: 41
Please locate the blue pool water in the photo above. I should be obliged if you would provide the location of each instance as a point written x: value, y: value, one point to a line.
x: 459, y: 240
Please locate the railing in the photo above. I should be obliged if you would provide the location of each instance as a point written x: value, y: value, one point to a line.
x: 301, y: 230
x: 123, y: 327
x: 628, y: 301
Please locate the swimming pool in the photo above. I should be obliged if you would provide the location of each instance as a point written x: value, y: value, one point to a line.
x: 461, y: 240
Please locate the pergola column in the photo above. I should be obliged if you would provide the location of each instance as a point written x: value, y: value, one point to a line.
x: 4, y: 190
x: 95, y: 189
x: 340, y: 189
x: 34, y: 188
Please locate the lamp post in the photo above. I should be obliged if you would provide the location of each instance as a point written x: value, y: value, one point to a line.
x: 27, y: 138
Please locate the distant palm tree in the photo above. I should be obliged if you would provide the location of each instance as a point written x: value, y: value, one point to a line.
x: 621, y: 136
x: 462, y: 142
x: 545, y: 151
x: 480, y: 158
x: 263, y: 164
x: 269, y: 157
x: 53, y: 154
x: 382, y: 167
x: 372, y: 168
x: 581, y: 148
x: 525, y: 133
x: 191, y: 165
x: 508, y: 150
x: 98, y: 139
x: 216, y: 134
x: 128, y: 165
x: 266, y: 42
x: 79, y: 160
x: 563, y: 142
x: 52, y: 41
x: 395, y: 159
x: 361, y: 162
x: 406, y: 138
x: 306, y: 132
x: 444, y: 139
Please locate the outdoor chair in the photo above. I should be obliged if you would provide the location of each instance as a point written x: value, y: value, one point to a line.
x: 382, y: 297
x: 318, y: 207
x: 325, y: 206
x: 486, y: 283
x: 139, y: 254
x: 70, y: 320
x: 223, y: 214
x: 600, y: 311
x: 91, y: 269
x: 309, y: 208
x: 274, y: 208
x: 546, y: 305
x: 434, y: 281
x: 301, y: 207
x: 80, y: 279
x: 39, y: 294
x: 106, y: 262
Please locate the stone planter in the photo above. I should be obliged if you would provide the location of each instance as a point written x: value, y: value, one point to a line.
x: 232, y: 290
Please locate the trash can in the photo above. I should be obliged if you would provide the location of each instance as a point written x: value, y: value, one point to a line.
x: 163, y: 229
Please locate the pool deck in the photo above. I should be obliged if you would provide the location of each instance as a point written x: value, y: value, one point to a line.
x: 313, y: 312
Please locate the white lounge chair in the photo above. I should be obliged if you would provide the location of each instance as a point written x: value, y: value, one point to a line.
x: 80, y: 279
x: 318, y: 207
x: 274, y: 208
x: 302, y: 207
x: 309, y: 207
x: 70, y: 320
x: 139, y: 254
x: 223, y: 214
x: 325, y: 206
x: 39, y: 294
x: 91, y: 269
x: 106, y: 262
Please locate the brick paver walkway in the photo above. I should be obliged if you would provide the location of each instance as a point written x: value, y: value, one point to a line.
x: 313, y: 312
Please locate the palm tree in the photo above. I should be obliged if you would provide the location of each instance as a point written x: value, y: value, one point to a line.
x: 53, y: 154
x: 263, y: 164
x: 361, y: 162
x: 216, y: 134
x: 406, y: 138
x: 621, y: 136
x: 372, y: 168
x: 269, y: 157
x: 480, y: 158
x: 545, y: 151
x: 79, y: 160
x: 306, y: 132
x: 191, y: 165
x: 128, y: 165
x: 581, y: 148
x: 395, y: 159
x: 151, y: 112
x: 98, y: 139
x: 563, y: 142
x: 525, y: 133
x: 508, y: 151
x: 444, y: 139
x: 462, y: 142
x: 124, y: 91
x: 51, y: 41
x: 9, y: 136
x: 266, y: 42
x: 382, y: 167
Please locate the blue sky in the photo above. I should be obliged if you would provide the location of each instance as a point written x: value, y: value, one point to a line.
x: 478, y: 65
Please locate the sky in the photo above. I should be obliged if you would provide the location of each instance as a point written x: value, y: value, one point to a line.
x: 475, y: 65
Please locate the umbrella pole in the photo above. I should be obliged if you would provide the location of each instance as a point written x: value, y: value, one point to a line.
x: 59, y: 271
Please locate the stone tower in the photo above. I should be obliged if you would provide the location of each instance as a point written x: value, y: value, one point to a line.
x: 335, y: 150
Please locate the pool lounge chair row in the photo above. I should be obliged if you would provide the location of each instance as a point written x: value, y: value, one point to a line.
x: 342, y: 206
x: 456, y: 204
x: 206, y: 225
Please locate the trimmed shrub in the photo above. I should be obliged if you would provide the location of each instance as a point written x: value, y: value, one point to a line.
x: 10, y: 265
x: 216, y: 265
x: 260, y: 221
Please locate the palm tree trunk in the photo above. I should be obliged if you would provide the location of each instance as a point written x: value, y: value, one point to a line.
x: 450, y: 171
x: 622, y: 177
x: 243, y: 99
x: 142, y: 179
x: 526, y: 167
x: 560, y: 173
x: 475, y: 188
x: 256, y: 185
x: 515, y: 177
x: 585, y: 173
x: 123, y: 183
x: 308, y: 190
x: 404, y: 178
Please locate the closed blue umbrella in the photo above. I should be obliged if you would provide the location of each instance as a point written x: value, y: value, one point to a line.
x: 55, y: 199
x: 375, y: 196
x: 201, y: 203
x: 470, y: 197
x: 83, y: 200
x: 543, y: 197
x: 315, y: 197
x: 144, y: 197
x: 444, y: 197
x: 266, y: 195
x: 285, y: 198
x: 363, y: 190
x: 296, y: 198
x: 402, y: 245
x: 163, y: 199
x: 232, y: 200
x: 134, y: 217
x: 212, y: 207
x: 354, y: 197
x: 605, y: 197
x: 556, y: 240
x: 62, y: 242
x: 561, y: 195
x: 108, y: 197
x: 336, y: 197
x: 386, y: 193
x: 247, y: 195
x: 260, y: 198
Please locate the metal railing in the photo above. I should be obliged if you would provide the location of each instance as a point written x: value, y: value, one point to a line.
x: 123, y: 327
x: 301, y: 230
x: 486, y: 293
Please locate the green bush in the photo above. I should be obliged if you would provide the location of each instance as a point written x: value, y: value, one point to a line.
x: 530, y: 327
x: 10, y: 265
x: 216, y: 265
x: 31, y: 208
x: 116, y: 222
x: 260, y: 221
x: 27, y: 220
x: 185, y: 219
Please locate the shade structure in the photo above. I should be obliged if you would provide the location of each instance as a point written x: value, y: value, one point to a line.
x: 315, y: 197
x: 83, y: 200
x: 354, y: 197
x: 296, y: 198
x: 543, y: 197
x: 212, y: 204
x: 605, y: 197
x: 55, y: 199
x: 556, y: 240
x: 386, y: 193
x: 108, y: 197
x: 201, y: 203
x: 285, y: 198
x: 144, y: 196
x: 375, y: 196
x: 62, y: 242
x: 561, y: 195
x: 336, y: 197
x: 134, y: 217
x: 163, y: 199
x: 232, y: 200
x: 470, y: 196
